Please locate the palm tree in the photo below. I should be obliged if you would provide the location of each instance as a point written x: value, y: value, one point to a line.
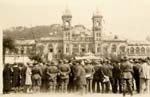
x: 8, y: 43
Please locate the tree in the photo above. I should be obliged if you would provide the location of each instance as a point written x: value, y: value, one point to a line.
x: 8, y: 43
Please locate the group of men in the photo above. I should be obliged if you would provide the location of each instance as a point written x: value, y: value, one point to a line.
x: 82, y: 76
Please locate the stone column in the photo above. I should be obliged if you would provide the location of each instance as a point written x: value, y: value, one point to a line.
x: 25, y: 50
x: 64, y: 48
x: 1, y: 64
x: 95, y: 48
x: 87, y: 48
x: 55, y: 48
x: 70, y: 48
x: 79, y: 49
x: 19, y: 50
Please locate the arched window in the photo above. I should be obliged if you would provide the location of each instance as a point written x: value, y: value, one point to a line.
x: 148, y: 50
x: 122, y: 49
x: 143, y: 50
x: 50, y: 47
x: 75, y: 48
x: 83, y: 46
x: 98, y: 48
x: 22, y: 50
x: 40, y: 48
x: 67, y: 48
x: 114, y: 48
x: 132, y: 50
x: 16, y: 50
x: 137, y: 50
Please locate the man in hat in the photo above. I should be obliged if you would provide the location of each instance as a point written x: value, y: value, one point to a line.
x: 36, y: 77
x: 106, y: 70
x: 7, y: 79
x: 97, y: 76
x: 116, y: 73
x: 144, y: 76
x: 80, y: 77
x: 52, y: 72
x: 64, y: 70
x: 127, y: 71
x: 89, y: 69
x: 15, y: 77
x: 136, y: 74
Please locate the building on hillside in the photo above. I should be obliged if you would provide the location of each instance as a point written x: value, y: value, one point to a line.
x: 78, y: 40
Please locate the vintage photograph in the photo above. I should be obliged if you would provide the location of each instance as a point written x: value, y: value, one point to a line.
x: 75, y: 48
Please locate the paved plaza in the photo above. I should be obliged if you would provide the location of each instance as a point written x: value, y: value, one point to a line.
x: 70, y: 95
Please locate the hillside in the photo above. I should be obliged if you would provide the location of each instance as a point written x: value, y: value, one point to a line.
x: 36, y: 32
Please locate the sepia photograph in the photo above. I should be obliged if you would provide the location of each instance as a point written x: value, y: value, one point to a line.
x: 74, y: 48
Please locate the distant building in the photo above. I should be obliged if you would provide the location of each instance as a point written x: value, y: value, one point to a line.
x: 78, y: 40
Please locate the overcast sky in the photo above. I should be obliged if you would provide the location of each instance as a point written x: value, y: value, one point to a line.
x: 127, y: 18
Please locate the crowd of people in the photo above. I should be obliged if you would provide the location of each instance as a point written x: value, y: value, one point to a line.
x: 78, y: 76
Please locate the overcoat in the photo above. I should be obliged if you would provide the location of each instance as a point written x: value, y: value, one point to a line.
x: 7, y: 78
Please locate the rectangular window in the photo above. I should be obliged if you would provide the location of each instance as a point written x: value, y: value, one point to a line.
x: 67, y: 50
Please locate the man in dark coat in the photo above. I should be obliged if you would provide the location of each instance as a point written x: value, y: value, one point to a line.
x: 117, y: 77
x: 22, y: 76
x: 16, y: 77
x: 36, y: 77
x: 127, y: 76
x: 80, y: 78
x: 71, y: 86
x: 44, y: 86
x: 97, y: 77
x: 136, y: 75
x: 107, y: 74
x: 7, y: 79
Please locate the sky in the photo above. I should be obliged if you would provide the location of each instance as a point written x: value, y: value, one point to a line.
x: 126, y: 18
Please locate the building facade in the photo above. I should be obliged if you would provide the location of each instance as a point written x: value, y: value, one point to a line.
x: 78, y: 40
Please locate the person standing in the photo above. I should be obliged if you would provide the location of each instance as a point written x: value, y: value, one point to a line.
x: 97, y: 77
x: 71, y: 85
x: 28, y: 80
x: 36, y: 77
x: 80, y: 78
x: 64, y: 70
x: 127, y: 76
x: 23, y: 69
x: 7, y: 79
x: 144, y: 76
x: 136, y: 75
x: 16, y: 77
x: 52, y: 72
x: 117, y: 77
x: 106, y: 70
x: 89, y: 69
x: 44, y: 86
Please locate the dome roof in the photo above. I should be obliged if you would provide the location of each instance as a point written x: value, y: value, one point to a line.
x: 67, y: 12
x: 97, y: 13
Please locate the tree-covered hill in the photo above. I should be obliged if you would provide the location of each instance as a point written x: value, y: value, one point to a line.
x: 36, y: 32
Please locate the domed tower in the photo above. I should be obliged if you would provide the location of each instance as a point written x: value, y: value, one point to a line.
x: 97, y: 30
x: 67, y: 35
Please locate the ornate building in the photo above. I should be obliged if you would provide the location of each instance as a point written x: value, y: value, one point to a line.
x: 78, y: 40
